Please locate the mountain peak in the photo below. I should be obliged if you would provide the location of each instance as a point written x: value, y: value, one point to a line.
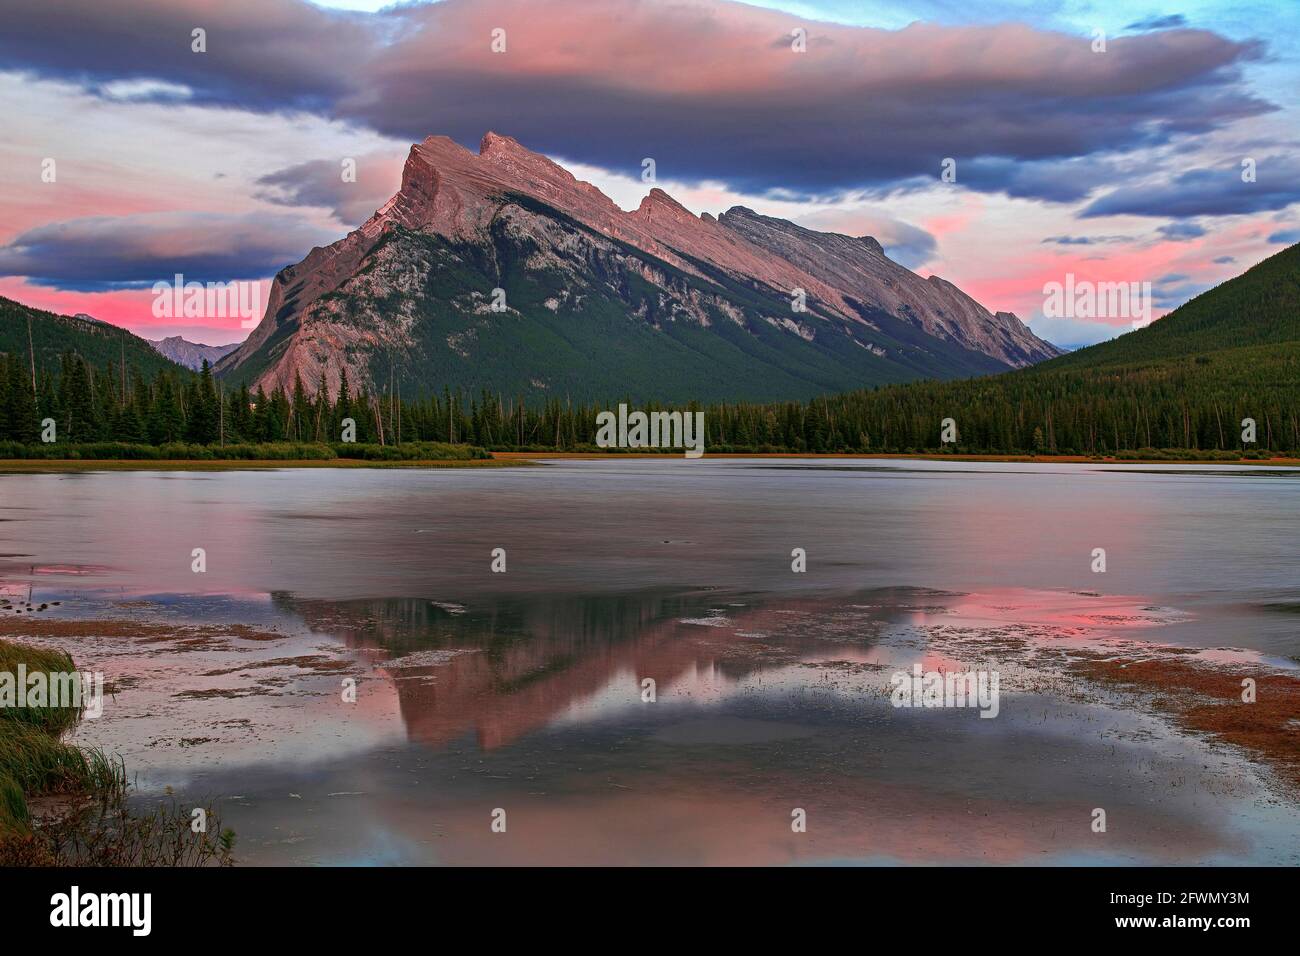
x: 872, y: 243
x: 497, y: 143
x: 658, y: 203
x: 440, y: 146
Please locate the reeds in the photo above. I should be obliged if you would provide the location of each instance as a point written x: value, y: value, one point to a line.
x: 95, y: 826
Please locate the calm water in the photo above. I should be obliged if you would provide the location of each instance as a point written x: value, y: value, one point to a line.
x: 523, y: 691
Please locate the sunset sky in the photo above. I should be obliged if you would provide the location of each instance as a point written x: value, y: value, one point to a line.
x: 224, y: 165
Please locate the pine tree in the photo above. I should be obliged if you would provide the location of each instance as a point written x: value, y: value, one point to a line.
x: 79, y: 410
x: 126, y: 425
x: 21, y: 411
x: 202, y: 424
x: 322, y: 416
x: 300, y: 411
x: 342, y: 407
x: 261, y: 425
x: 166, y: 423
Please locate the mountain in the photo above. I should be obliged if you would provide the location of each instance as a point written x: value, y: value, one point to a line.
x: 656, y: 303
x: 191, y: 354
x: 98, y: 342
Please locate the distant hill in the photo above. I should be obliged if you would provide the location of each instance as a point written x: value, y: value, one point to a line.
x: 1258, y: 307
x: 99, y: 343
x: 191, y: 354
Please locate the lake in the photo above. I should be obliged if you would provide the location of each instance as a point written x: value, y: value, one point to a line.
x: 650, y: 680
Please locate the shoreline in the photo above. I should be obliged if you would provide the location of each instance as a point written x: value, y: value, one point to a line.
x: 55, y: 465
x: 515, y: 459
x: 851, y: 456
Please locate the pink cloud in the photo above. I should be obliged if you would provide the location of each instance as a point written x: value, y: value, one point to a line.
x: 130, y: 309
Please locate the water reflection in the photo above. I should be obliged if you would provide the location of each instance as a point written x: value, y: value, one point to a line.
x: 527, y: 691
x: 763, y: 706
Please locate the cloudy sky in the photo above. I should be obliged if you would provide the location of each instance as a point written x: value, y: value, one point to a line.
x: 1122, y: 164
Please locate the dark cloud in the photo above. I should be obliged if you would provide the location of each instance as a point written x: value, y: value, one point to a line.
x: 1058, y: 180
x: 1181, y: 231
x: 1285, y: 237
x: 1084, y: 240
x: 1172, y: 296
x: 321, y: 183
x: 1208, y: 192
x: 109, y: 252
x: 1224, y: 260
x: 1170, y: 22
x: 704, y: 89
x: 260, y: 54
x: 910, y: 246
x: 1175, y: 288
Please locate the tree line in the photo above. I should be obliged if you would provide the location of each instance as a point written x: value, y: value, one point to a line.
x: 117, y: 403
x: 1196, y: 403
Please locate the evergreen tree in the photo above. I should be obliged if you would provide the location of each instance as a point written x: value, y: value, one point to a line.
x: 260, y: 427
x: 342, y: 407
x: 202, y: 424
x: 322, y: 415
x: 300, y: 413
x: 80, y: 419
x: 166, y: 423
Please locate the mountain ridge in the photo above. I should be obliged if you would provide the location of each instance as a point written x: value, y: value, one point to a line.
x: 100, y: 343
x: 407, y: 291
x: 190, y: 354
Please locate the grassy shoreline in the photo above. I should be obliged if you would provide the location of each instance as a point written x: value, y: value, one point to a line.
x: 64, y: 805
x: 34, y: 760
x: 46, y: 465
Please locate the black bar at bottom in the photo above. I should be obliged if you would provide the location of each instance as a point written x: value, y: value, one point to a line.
x: 335, y: 905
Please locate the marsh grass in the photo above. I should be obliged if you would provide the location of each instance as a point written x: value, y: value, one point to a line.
x: 53, y: 720
x: 33, y: 758
x: 93, y: 825
x: 113, y: 833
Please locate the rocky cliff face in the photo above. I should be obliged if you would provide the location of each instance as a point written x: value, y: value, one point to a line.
x: 599, y: 302
x: 863, y: 273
